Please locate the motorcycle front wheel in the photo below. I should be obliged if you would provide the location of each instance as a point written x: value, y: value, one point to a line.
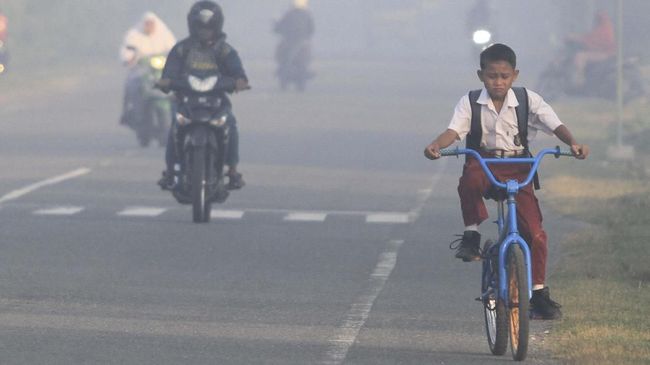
x: 200, y: 204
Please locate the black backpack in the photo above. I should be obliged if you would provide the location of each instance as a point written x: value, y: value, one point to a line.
x: 476, y: 129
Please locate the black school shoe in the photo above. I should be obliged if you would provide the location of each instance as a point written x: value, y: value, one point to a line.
x: 543, y: 307
x: 468, y: 248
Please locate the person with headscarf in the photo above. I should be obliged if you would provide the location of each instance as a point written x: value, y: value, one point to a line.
x: 150, y: 37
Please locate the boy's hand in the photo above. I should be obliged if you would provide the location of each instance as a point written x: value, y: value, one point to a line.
x: 432, y: 152
x: 580, y: 151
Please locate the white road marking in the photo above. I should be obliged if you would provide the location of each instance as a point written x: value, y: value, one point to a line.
x: 392, y: 218
x: 68, y: 210
x: 346, y: 334
x: 226, y: 214
x: 425, y: 194
x: 305, y: 217
x: 51, y: 181
x: 142, y: 212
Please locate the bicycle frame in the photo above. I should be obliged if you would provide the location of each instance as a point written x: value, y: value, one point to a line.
x: 507, y: 223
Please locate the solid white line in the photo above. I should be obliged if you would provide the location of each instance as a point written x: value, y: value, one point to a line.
x: 51, y: 181
x: 306, y: 217
x: 59, y: 211
x: 397, y: 218
x: 355, y: 319
x: 142, y: 212
x: 226, y: 214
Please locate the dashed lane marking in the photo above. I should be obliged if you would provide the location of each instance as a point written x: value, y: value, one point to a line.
x: 59, y: 211
x: 142, y: 212
x: 306, y: 217
x: 227, y: 214
x: 390, y: 218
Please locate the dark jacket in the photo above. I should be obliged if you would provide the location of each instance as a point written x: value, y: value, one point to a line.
x: 190, y: 56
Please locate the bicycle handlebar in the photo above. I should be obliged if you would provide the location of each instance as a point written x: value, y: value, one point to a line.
x: 535, y: 161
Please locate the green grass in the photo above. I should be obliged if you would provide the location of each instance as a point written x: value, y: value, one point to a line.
x: 603, y: 279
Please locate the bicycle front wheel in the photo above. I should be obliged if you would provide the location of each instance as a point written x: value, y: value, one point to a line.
x: 494, y: 310
x: 518, y: 302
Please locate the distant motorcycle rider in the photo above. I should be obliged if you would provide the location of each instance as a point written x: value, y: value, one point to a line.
x: 4, y: 55
x: 205, y: 49
x: 296, y: 28
x: 149, y: 37
x: 4, y: 23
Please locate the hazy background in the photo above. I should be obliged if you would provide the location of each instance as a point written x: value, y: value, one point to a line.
x: 44, y: 33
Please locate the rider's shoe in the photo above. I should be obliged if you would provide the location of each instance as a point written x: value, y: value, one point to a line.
x: 468, y: 248
x: 543, y: 307
x: 235, y: 181
x: 166, y: 182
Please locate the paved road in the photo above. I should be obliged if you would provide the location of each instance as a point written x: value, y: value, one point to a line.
x: 334, y: 253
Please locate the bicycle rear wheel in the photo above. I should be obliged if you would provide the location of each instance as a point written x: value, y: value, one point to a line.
x: 518, y: 302
x: 494, y: 310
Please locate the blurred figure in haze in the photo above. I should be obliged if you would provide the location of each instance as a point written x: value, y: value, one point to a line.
x: 597, y: 45
x: 293, y: 53
x: 4, y: 55
x: 3, y: 27
x: 150, y: 37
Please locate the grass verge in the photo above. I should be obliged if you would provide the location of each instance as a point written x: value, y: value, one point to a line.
x: 603, y: 279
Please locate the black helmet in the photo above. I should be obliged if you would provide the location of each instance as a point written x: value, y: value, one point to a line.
x: 205, y: 20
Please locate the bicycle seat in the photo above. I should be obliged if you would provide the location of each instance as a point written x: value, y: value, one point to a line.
x: 495, y: 194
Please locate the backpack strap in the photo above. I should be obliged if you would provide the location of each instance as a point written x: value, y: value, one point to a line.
x: 522, y: 114
x: 476, y: 129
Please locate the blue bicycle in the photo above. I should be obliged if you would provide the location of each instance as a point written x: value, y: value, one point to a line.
x: 506, y: 282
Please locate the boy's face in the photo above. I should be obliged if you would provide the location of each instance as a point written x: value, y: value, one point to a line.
x: 498, y: 76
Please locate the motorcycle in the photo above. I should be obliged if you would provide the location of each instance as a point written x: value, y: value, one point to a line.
x: 201, y: 140
x: 293, y: 64
x: 148, y: 110
x: 556, y: 80
x: 4, y: 57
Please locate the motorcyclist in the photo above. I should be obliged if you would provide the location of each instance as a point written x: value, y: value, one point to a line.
x: 597, y: 45
x: 205, y: 48
x: 296, y: 29
x: 149, y: 37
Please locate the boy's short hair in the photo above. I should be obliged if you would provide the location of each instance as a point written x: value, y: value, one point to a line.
x: 498, y: 52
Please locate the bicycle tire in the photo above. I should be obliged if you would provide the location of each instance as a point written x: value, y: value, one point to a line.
x: 494, y: 310
x: 518, y: 302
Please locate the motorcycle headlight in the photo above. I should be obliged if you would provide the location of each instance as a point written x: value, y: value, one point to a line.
x: 202, y: 85
x: 2, y: 68
x: 481, y: 36
x: 182, y: 120
x: 219, y: 122
x: 158, y: 62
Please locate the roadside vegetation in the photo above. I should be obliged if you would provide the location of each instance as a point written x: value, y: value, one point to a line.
x: 603, y: 277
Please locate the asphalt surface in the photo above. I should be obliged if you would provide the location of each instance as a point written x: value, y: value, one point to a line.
x: 334, y: 253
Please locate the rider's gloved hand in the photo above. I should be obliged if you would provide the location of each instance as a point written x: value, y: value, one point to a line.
x: 241, y: 85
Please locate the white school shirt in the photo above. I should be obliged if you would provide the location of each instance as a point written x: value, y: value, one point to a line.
x: 500, y: 129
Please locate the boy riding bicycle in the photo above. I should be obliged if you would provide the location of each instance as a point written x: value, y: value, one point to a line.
x: 497, y: 132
